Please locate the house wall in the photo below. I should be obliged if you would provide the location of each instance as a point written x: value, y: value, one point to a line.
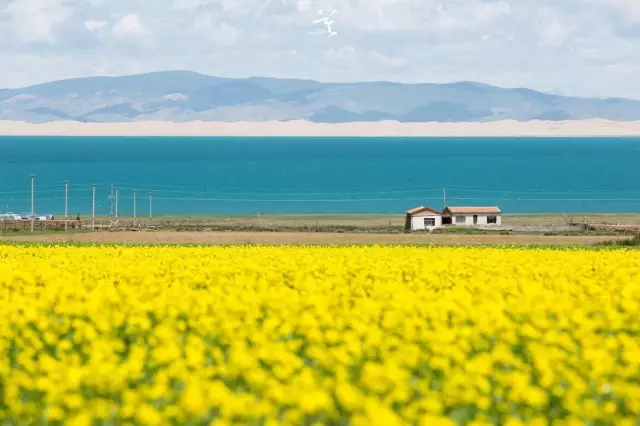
x: 417, y: 223
x: 482, y: 220
x: 468, y: 220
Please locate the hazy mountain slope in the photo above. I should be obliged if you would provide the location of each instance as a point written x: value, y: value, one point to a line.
x: 184, y: 96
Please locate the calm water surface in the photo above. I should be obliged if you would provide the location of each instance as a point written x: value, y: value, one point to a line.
x: 321, y: 175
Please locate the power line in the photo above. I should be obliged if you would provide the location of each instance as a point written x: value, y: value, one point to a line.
x: 545, y: 190
x: 41, y: 187
x: 394, y: 192
x: 288, y: 193
x: 403, y: 189
x: 47, y: 190
x: 497, y: 191
x: 387, y: 199
x: 198, y: 188
x: 582, y: 192
x: 294, y: 200
x: 391, y: 189
x: 448, y: 194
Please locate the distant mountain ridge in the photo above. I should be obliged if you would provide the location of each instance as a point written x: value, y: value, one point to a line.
x: 181, y: 96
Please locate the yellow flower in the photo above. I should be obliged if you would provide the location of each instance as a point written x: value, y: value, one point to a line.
x: 314, y: 402
x: 434, y: 420
x: 193, y: 401
x: 375, y: 335
x: 349, y: 397
x: 147, y: 415
x: 82, y: 419
x: 535, y: 397
x: 379, y: 415
x: 73, y: 401
x: 55, y: 413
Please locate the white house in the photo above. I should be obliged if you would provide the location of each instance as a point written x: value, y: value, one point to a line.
x: 472, y: 216
x: 9, y: 216
x: 37, y: 216
x: 423, y: 218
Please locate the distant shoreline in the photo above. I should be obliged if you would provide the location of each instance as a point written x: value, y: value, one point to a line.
x: 301, y: 128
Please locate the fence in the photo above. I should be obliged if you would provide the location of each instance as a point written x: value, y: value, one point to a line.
x: 222, y: 224
x: 610, y: 227
x: 11, y: 225
x: 267, y: 224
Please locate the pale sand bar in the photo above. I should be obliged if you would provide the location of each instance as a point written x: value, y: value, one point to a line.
x: 585, y: 128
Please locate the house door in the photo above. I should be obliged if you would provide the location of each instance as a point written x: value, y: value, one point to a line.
x: 475, y: 219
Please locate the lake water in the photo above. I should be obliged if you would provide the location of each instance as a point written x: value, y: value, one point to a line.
x: 321, y: 175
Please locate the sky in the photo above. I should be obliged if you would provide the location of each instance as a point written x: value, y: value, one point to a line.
x: 571, y: 47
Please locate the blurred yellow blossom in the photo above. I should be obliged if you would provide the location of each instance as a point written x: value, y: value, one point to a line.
x: 319, y: 335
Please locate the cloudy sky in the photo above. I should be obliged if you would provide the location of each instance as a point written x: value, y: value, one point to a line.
x: 574, y: 47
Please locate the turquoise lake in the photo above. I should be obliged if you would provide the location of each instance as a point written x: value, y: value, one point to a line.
x: 321, y: 175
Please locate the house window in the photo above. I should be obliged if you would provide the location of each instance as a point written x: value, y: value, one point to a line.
x: 461, y: 220
x: 492, y: 219
x: 429, y: 221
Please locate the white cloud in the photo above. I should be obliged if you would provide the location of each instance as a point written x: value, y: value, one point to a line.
x: 390, y: 61
x: 35, y: 21
x: 226, y: 35
x: 92, y: 25
x: 220, y: 34
x: 340, y: 54
x: 128, y: 25
x: 189, y: 4
x: 303, y: 5
x: 586, y: 47
x: 630, y: 9
x: 553, y: 31
x: 178, y: 97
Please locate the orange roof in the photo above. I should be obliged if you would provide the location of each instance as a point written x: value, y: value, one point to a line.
x: 473, y: 210
x: 423, y: 209
x: 416, y: 210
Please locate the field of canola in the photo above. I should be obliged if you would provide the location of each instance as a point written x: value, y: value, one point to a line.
x: 318, y: 336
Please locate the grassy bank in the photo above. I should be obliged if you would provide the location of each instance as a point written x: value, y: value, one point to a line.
x: 44, y: 232
x: 630, y: 242
x: 523, y: 224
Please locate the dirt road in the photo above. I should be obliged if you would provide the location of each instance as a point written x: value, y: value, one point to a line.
x: 301, y: 238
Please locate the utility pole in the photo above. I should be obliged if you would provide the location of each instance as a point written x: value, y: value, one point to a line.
x: 117, y: 196
x: 444, y: 197
x: 33, y: 179
x: 111, y: 201
x: 93, y: 209
x: 66, y: 204
x: 134, y: 208
x: 150, y: 205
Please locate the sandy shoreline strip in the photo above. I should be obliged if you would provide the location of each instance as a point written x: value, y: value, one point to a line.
x: 584, y: 128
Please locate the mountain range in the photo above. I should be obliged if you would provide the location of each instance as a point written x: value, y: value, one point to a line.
x: 181, y: 96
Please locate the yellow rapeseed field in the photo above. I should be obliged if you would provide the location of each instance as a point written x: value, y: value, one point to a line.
x: 318, y: 336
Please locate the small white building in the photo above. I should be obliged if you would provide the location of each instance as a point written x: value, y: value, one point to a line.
x: 423, y: 219
x: 37, y: 216
x: 9, y: 216
x: 472, y: 216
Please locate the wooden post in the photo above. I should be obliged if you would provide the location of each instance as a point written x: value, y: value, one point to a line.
x: 66, y: 203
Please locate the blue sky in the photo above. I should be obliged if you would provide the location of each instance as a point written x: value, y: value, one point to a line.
x: 574, y: 47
